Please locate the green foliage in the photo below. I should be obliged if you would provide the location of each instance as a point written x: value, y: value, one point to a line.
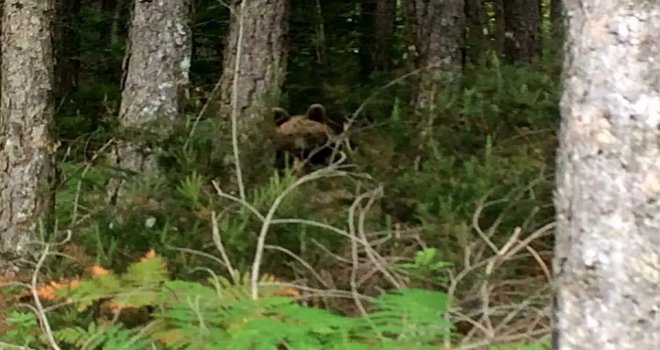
x: 426, y: 263
x: 138, y: 287
x: 414, y: 315
x: 221, y: 315
x: 22, y: 328
x: 106, y: 337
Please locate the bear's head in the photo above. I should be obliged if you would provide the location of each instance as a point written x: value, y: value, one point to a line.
x: 307, y: 138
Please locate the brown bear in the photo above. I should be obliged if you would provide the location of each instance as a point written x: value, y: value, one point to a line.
x: 303, y: 139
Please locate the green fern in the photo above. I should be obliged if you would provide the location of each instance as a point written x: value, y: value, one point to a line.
x: 139, y: 286
x: 110, y: 337
x: 415, y: 313
x: 414, y: 317
x: 221, y: 315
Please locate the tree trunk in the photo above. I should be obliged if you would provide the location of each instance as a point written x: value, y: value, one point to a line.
x: 254, y: 68
x: 522, y: 24
x: 158, y: 59
x: 262, y: 29
x: 435, y: 35
x: 378, y: 19
x: 2, y: 7
x: 475, y: 18
x: 435, y: 32
x: 607, y: 258
x: 27, y: 146
x: 67, y: 47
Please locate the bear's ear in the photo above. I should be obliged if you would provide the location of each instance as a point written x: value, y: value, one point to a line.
x: 316, y: 112
x: 280, y: 116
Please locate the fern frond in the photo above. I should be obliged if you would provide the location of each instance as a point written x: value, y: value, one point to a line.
x: 415, y: 315
x: 108, y: 337
x: 151, y: 270
x: 88, y: 291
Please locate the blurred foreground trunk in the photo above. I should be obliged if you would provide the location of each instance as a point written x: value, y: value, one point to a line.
x: 607, y: 255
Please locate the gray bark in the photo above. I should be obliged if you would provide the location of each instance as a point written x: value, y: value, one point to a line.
x: 27, y: 146
x: 435, y: 48
x: 607, y: 258
x: 436, y: 39
x: 254, y: 67
x: 263, y: 28
x: 158, y: 62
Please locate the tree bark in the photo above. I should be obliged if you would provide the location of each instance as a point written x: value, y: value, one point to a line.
x: 158, y: 62
x: 475, y: 18
x: 435, y: 33
x: 522, y: 24
x: 607, y: 258
x: 378, y: 19
x: 254, y: 68
x: 2, y: 7
x: 27, y: 146
x: 262, y: 60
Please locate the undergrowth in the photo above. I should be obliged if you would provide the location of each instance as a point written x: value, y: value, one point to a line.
x: 401, y: 254
x: 220, y: 314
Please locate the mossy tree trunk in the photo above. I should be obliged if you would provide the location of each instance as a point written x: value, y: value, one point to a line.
x: 607, y: 255
x: 157, y: 67
x: 27, y: 145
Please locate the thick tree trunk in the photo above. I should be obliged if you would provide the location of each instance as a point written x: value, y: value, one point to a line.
x: 607, y: 258
x: 27, y: 147
x: 522, y: 23
x: 262, y: 29
x: 158, y: 59
x: 436, y: 35
x: 254, y: 67
x: 378, y: 20
x: 435, y: 32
